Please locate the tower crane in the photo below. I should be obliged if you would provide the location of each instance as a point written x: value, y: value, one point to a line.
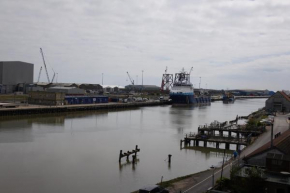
x: 39, y: 74
x: 44, y: 65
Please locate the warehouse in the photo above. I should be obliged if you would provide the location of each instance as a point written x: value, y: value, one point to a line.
x: 67, y: 90
x: 85, y: 99
x: 13, y: 73
x: 143, y: 88
x: 280, y: 102
x: 112, y: 88
x: 45, y: 98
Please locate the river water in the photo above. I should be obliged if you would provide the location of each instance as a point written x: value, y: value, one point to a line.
x: 78, y: 152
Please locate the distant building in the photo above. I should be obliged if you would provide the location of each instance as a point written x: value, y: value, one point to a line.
x: 280, y: 101
x: 91, y: 87
x: 85, y: 99
x: 13, y: 73
x: 46, y: 98
x: 143, y: 88
x: 112, y: 88
x: 66, y: 90
x: 250, y: 92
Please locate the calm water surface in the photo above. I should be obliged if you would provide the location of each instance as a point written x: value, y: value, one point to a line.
x: 79, y: 152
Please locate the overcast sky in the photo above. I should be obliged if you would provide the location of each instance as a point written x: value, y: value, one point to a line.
x: 229, y: 44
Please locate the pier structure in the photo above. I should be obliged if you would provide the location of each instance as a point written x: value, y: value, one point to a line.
x: 128, y: 153
x: 214, y: 133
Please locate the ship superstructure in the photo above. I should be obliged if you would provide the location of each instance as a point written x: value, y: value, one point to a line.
x: 182, y: 91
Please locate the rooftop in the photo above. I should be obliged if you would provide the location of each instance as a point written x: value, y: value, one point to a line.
x: 281, y: 143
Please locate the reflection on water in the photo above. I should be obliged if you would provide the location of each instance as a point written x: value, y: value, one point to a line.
x: 78, y: 152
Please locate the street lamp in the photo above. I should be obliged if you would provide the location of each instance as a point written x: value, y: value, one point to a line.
x: 267, y: 121
x: 212, y: 167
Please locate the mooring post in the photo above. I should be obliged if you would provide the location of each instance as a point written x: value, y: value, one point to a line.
x: 227, y: 146
x: 217, y: 145
x: 169, y: 158
x: 134, y: 159
x: 136, y: 149
x: 238, y: 147
x: 120, y: 156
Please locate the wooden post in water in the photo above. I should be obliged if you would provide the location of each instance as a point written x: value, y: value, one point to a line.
x: 169, y: 158
x: 238, y: 147
x: 227, y: 146
x: 217, y: 145
x: 120, y: 156
x: 134, y: 159
x: 136, y: 149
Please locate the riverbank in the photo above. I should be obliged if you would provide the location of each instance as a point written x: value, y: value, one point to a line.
x: 36, y: 109
x: 190, y: 183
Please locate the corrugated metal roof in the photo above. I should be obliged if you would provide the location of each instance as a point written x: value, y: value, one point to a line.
x: 61, y: 88
x: 281, y: 143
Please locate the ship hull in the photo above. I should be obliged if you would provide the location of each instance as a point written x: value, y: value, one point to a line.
x: 188, y: 99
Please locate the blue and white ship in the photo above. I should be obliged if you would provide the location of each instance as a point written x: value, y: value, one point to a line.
x: 182, y: 91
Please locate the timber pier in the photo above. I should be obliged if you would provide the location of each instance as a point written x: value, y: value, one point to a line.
x: 215, y: 133
x: 36, y: 109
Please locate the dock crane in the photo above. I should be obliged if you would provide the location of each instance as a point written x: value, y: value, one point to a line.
x: 39, y: 74
x: 44, y: 65
x: 131, y: 80
x: 190, y: 70
x: 53, y: 78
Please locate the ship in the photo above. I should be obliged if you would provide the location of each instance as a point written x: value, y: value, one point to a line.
x: 182, y: 91
x: 228, y: 97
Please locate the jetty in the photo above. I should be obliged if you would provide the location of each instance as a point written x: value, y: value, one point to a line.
x: 221, y: 133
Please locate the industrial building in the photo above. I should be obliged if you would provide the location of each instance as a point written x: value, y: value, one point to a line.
x: 113, y: 88
x: 85, y: 99
x: 250, y: 92
x: 67, y: 90
x: 143, y: 88
x: 46, y: 98
x: 280, y: 102
x: 91, y: 87
x: 13, y: 73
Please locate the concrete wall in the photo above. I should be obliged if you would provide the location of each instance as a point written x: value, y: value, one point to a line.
x: 12, y: 73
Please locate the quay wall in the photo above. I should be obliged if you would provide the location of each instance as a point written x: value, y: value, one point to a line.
x: 29, y: 110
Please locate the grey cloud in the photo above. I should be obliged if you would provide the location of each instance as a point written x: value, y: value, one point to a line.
x: 83, y: 39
